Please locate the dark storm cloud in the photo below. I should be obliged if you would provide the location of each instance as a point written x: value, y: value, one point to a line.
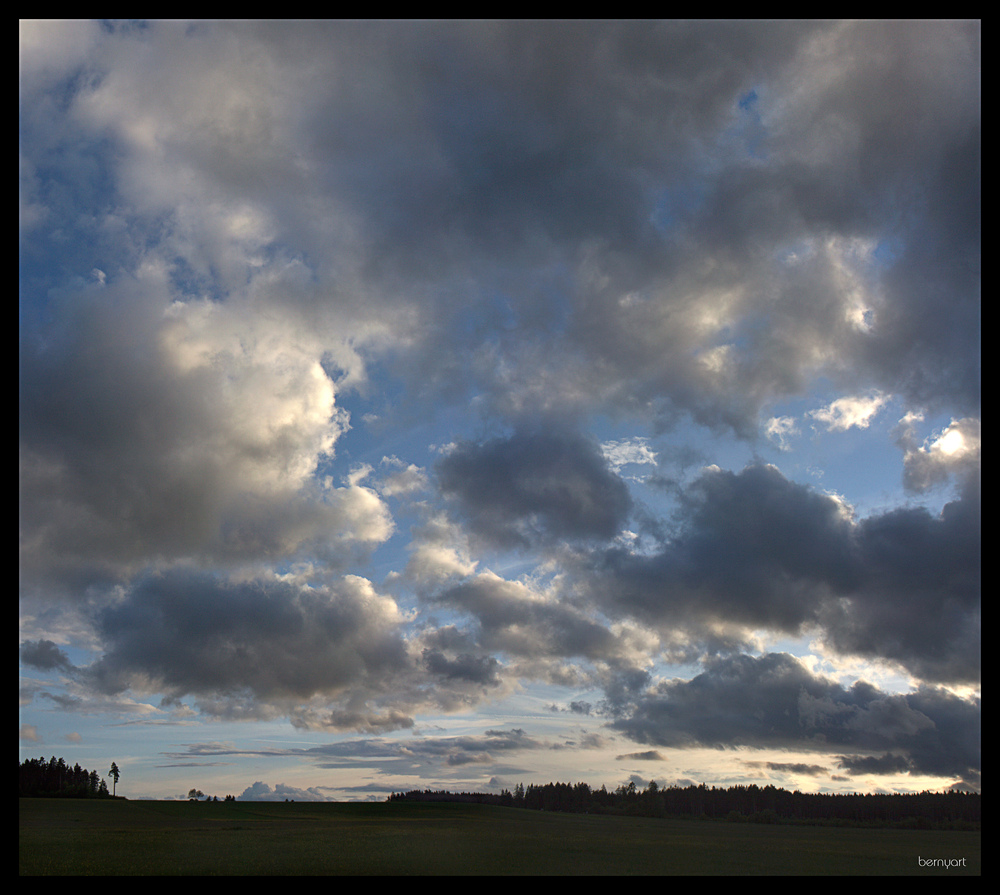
x: 44, y: 655
x: 478, y: 669
x: 938, y: 278
x: 919, y: 596
x: 775, y: 701
x: 195, y: 633
x: 755, y: 550
x: 521, y: 133
x: 751, y: 548
x: 534, y: 485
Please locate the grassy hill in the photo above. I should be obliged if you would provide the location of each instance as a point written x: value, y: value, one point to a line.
x: 80, y: 837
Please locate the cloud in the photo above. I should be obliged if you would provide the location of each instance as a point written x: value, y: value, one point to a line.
x: 438, y: 552
x: 955, y: 452
x: 780, y: 430
x: 632, y: 451
x: 261, y: 792
x: 48, y: 48
x: 194, y: 431
x: 650, y: 755
x: 402, y: 479
x: 534, y: 485
x: 540, y: 158
x: 775, y: 701
x: 919, y: 599
x: 529, y: 622
x: 428, y: 751
x: 845, y: 413
x: 44, y: 655
x: 242, y: 641
x: 809, y: 770
x: 874, y: 764
x: 754, y: 550
x: 479, y: 669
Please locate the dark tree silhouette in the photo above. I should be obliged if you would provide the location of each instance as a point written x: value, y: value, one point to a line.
x: 952, y: 809
x: 40, y: 778
x: 114, y: 773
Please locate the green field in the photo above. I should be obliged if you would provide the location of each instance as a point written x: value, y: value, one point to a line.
x: 76, y: 837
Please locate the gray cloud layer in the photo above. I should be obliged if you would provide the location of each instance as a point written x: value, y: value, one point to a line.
x: 755, y: 550
x: 530, y: 169
x: 775, y: 701
x: 232, y: 230
x: 274, y: 639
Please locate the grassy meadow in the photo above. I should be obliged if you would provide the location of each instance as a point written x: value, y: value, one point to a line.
x: 95, y: 837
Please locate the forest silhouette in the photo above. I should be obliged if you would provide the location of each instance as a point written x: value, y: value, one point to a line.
x: 956, y: 809
x: 55, y: 778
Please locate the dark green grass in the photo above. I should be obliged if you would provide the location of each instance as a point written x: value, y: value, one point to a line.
x: 64, y: 836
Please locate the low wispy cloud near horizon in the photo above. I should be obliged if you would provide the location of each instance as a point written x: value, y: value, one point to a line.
x: 385, y: 385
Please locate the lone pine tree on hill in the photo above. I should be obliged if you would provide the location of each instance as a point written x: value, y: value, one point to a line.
x: 114, y: 773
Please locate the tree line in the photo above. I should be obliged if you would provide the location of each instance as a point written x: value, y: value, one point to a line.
x: 752, y: 804
x: 55, y: 778
x: 196, y: 795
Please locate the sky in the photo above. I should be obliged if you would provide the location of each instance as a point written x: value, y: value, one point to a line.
x: 460, y: 404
